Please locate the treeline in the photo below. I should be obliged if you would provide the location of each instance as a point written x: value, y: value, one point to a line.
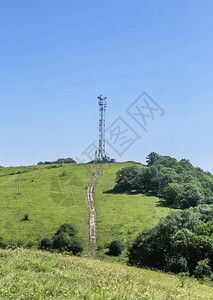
x: 181, y: 242
x: 58, y: 161
x: 180, y: 183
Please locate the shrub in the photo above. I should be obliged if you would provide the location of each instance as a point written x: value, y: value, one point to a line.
x: 19, y: 244
x: 2, y: 244
x: 26, y: 217
x: 68, y: 228
x: 115, y: 248
x: 64, y: 242
x: 46, y: 244
x: 29, y: 245
x: 202, y: 269
x: 177, y: 264
x: 76, y: 245
x: 61, y: 241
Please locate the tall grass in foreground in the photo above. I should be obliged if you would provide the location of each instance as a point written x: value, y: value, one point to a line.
x: 26, y: 274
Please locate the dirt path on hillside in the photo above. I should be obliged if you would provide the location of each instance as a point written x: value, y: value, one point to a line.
x: 92, y: 214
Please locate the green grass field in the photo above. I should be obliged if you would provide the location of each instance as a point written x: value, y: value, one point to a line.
x: 50, y: 200
x: 28, y: 274
x: 47, y: 197
x: 122, y: 216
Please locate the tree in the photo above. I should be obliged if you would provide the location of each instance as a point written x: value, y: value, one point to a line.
x: 191, y: 196
x: 171, y: 194
x: 179, y: 182
x: 165, y: 177
x: 151, y: 158
x: 127, y: 179
x: 148, y: 178
x: 178, y: 243
x: 166, y: 161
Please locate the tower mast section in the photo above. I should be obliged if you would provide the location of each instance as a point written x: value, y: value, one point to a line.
x: 102, y: 110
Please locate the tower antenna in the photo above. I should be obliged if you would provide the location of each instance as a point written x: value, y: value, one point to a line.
x: 102, y: 110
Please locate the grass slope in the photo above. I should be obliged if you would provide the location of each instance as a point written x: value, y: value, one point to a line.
x: 122, y: 216
x: 49, y: 198
x: 26, y: 274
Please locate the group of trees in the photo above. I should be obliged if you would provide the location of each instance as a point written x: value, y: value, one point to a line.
x: 64, y: 240
x: 58, y: 161
x: 181, y: 242
x: 178, y: 182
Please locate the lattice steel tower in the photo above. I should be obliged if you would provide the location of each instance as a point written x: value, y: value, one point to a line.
x: 102, y: 110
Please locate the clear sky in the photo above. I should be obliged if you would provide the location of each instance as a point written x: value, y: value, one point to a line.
x: 56, y: 57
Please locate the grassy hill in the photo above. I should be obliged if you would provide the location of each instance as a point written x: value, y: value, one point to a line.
x: 49, y: 199
x: 122, y: 216
x: 28, y: 274
x: 52, y: 198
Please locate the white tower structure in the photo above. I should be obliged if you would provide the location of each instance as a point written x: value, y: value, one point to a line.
x: 102, y: 110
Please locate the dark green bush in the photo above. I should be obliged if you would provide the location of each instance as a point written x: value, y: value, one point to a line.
x: 115, y: 248
x: 2, y: 244
x: 68, y: 228
x: 202, y: 269
x: 29, y: 244
x: 64, y: 240
x: 26, y: 217
x: 46, y: 244
x: 177, y: 264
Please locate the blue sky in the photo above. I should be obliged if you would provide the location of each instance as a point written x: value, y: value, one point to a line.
x: 56, y: 57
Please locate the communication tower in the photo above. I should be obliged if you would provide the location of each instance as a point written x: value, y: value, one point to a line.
x: 102, y: 110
